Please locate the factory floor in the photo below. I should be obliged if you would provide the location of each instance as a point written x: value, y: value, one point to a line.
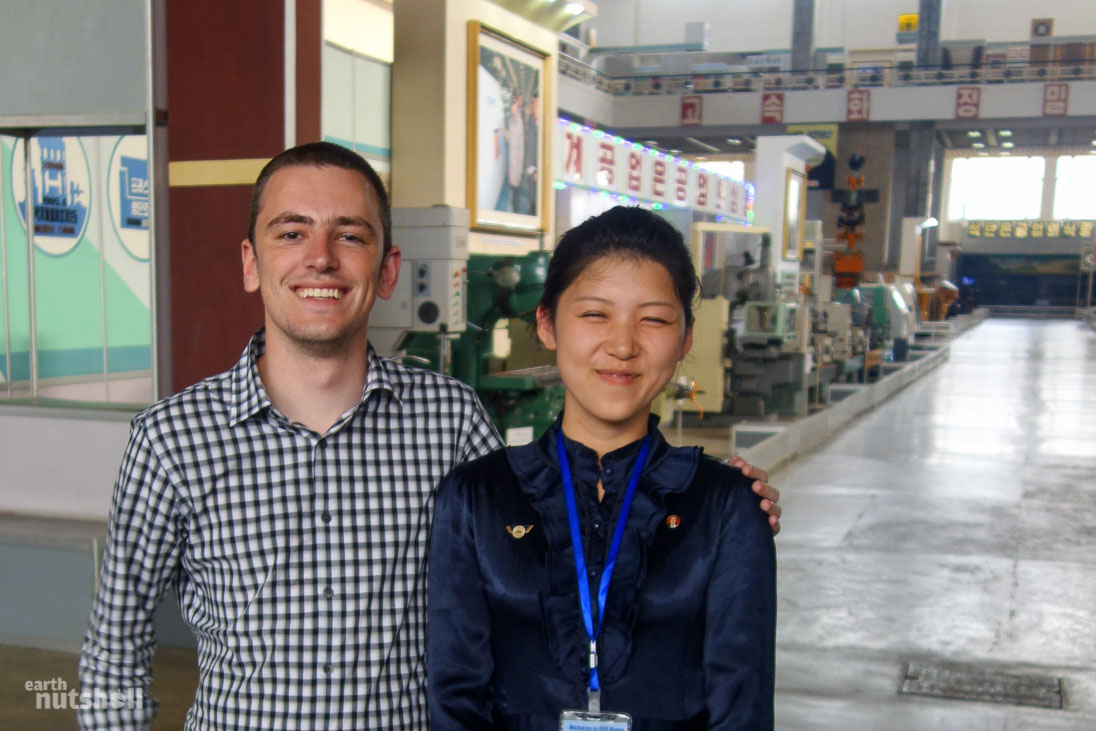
x: 953, y: 525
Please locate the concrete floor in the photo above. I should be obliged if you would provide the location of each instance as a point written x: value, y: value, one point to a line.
x: 956, y: 523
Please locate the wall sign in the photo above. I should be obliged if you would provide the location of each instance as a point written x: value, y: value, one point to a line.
x: 968, y: 102
x: 1055, y: 100
x: 858, y: 105
x: 128, y: 195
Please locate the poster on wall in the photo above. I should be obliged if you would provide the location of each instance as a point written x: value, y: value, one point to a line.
x: 60, y: 190
x: 128, y: 195
x: 506, y: 96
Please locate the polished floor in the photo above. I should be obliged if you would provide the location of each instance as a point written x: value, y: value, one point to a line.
x: 955, y: 523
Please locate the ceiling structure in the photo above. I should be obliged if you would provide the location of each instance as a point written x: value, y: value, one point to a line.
x: 997, y: 136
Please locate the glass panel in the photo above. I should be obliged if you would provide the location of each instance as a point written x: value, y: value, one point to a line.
x: 1075, y: 181
x: 996, y: 188
x: 16, y: 273
x: 92, y: 281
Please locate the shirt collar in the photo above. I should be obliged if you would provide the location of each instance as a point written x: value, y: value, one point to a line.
x: 247, y: 397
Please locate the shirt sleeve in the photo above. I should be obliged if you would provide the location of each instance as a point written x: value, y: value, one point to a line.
x: 459, y: 659
x: 740, y: 634
x: 480, y: 436
x: 141, y: 557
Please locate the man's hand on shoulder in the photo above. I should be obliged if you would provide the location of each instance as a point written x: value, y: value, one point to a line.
x: 770, y: 496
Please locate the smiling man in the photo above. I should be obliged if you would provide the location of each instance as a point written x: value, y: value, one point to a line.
x: 288, y: 500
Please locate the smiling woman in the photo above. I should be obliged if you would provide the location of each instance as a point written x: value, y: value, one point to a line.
x: 631, y: 576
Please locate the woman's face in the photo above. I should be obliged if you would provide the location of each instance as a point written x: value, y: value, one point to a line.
x: 619, y: 333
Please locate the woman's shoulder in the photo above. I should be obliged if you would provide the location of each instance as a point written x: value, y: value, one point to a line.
x: 714, y: 472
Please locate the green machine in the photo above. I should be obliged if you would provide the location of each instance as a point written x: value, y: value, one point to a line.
x: 522, y: 402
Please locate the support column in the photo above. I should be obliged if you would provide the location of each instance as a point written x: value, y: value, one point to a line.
x: 802, y: 34
x: 229, y: 99
x: 928, y: 33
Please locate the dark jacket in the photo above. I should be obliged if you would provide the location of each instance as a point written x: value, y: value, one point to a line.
x: 688, y: 636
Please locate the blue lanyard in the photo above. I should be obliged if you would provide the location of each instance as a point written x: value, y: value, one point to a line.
x: 610, y: 559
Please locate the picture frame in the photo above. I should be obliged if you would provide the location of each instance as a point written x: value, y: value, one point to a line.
x: 507, y: 180
x: 795, y: 212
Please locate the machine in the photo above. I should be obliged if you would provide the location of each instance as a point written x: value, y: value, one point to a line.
x: 446, y: 313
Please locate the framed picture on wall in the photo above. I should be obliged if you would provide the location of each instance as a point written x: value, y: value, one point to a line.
x: 795, y: 211
x: 507, y: 176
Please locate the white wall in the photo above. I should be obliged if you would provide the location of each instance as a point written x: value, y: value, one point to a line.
x: 60, y: 463
x: 359, y: 25
x: 742, y: 25
x: 736, y: 25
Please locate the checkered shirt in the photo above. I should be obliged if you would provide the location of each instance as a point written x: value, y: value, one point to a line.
x: 299, y: 560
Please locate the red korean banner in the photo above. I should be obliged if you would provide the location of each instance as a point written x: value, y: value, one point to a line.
x: 772, y: 107
x: 596, y: 160
x: 692, y: 110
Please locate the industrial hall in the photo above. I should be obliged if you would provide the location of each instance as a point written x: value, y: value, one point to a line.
x: 548, y: 364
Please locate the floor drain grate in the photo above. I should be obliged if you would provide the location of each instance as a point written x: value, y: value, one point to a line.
x: 971, y: 683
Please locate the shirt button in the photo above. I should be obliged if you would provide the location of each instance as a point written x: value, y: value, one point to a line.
x: 608, y: 470
x: 593, y: 572
x: 326, y: 516
x: 328, y: 593
x: 597, y: 525
x: 328, y: 669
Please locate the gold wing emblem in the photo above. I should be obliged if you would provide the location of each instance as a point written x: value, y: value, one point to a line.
x: 518, y: 531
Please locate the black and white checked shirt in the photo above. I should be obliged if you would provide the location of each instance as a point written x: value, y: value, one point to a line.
x: 298, y: 559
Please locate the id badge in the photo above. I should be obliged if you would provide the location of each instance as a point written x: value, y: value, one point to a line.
x: 589, y: 721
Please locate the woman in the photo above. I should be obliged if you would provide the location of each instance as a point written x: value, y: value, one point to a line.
x: 602, y: 531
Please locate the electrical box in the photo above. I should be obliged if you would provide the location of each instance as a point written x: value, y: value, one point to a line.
x: 430, y: 292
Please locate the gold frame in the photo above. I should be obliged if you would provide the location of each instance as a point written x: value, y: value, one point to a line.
x: 489, y: 219
x: 795, y: 194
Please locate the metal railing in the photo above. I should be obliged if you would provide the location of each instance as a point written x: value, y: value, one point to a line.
x: 895, y: 75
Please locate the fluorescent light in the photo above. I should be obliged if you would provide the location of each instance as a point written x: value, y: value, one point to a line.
x: 1005, y: 132
x: 734, y: 141
x: 973, y: 133
x: 927, y: 223
x: 978, y: 145
x: 574, y: 8
x: 1008, y: 145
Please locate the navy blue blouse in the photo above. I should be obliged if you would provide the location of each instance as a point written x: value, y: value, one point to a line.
x: 688, y: 636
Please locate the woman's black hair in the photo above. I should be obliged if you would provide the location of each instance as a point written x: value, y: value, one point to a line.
x: 627, y: 232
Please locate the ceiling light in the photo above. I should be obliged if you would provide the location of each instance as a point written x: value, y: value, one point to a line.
x: 675, y: 152
x: 973, y: 133
x: 1008, y: 145
x: 978, y: 145
x: 652, y: 143
x: 574, y: 8
x: 1005, y: 132
x: 734, y: 141
x: 1094, y: 143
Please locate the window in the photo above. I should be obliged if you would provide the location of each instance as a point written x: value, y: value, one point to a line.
x: 996, y: 188
x: 1074, y: 186
x: 75, y: 320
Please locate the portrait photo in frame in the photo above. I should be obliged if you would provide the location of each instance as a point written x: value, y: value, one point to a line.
x: 507, y: 180
x: 795, y: 211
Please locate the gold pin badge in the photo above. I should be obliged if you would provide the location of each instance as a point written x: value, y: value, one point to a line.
x: 518, y: 531
x: 673, y: 521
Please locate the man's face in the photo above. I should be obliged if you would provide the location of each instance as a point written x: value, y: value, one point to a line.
x: 318, y: 258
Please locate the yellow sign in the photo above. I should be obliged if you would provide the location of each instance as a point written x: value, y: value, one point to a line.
x: 907, y: 23
x: 1031, y: 229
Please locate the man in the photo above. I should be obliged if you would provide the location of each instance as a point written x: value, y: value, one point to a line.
x: 288, y: 500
